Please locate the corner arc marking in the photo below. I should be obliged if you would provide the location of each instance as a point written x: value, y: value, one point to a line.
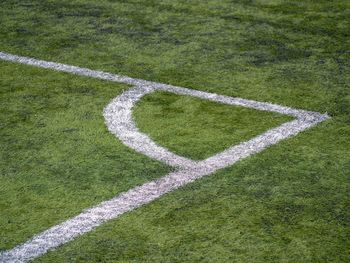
x: 119, y: 121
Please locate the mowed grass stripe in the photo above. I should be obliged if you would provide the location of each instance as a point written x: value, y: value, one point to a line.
x: 57, y: 156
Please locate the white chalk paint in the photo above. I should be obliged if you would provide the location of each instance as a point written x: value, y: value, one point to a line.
x: 118, y: 115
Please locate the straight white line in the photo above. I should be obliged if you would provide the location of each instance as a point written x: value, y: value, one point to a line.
x: 119, y: 121
x: 265, y: 106
x: 93, y: 217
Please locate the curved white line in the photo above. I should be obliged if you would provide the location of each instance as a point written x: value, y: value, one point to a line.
x: 119, y: 121
x: 118, y: 116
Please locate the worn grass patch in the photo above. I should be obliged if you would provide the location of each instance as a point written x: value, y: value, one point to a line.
x: 196, y: 128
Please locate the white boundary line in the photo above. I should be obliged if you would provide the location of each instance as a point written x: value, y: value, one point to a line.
x: 118, y: 115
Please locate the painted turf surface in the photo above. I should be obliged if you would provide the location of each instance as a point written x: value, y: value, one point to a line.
x: 52, y: 120
x: 289, y: 203
x: 57, y: 156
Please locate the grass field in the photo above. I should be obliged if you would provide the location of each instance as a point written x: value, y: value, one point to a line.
x: 290, y: 203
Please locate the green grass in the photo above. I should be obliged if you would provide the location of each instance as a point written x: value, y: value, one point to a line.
x: 289, y: 203
x: 57, y: 157
x: 197, y: 128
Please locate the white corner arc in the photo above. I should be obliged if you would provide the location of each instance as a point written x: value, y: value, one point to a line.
x: 118, y: 116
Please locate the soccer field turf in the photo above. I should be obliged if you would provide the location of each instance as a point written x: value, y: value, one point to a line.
x: 289, y: 203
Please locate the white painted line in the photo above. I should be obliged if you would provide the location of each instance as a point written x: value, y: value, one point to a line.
x: 265, y: 106
x: 118, y: 115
